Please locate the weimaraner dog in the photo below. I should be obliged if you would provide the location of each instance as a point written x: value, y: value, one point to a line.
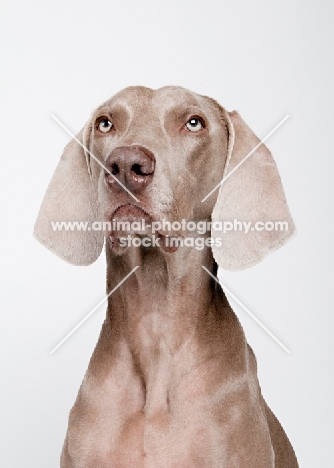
x: 172, y: 382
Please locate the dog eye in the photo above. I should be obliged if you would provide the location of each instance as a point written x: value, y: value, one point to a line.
x: 195, y: 124
x: 105, y: 125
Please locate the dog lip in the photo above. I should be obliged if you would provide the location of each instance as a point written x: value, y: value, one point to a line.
x: 165, y: 244
x: 130, y: 206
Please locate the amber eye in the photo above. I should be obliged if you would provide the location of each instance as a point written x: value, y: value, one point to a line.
x: 195, y: 124
x: 105, y: 125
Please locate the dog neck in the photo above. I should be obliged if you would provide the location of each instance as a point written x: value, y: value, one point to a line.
x: 163, y: 302
x: 160, y: 278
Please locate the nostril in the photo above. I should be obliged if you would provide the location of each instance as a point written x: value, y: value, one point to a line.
x: 138, y: 169
x: 114, y: 169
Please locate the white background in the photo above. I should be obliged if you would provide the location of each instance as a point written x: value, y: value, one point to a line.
x: 265, y: 59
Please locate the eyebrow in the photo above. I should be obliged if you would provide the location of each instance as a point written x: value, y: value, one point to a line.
x: 110, y: 110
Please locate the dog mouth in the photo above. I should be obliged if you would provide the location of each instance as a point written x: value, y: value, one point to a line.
x: 130, y: 212
x: 129, y: 221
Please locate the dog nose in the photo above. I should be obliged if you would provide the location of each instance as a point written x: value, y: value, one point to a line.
x: 133, y: 166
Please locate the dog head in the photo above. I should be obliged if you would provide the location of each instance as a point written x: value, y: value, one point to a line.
x: 155, y: 155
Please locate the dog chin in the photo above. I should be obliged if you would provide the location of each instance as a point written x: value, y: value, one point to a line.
x: 119, y: 244
x: 128, y: 215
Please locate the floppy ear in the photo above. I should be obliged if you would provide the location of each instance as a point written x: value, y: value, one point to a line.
x: 252, y: 193
x: 70, y: 197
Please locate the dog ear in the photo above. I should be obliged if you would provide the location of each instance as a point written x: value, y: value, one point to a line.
x: 252, y: 193
x: 71, y: 197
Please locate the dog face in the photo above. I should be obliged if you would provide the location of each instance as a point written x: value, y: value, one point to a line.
x: 166, y: 146
x: 155, y: 154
